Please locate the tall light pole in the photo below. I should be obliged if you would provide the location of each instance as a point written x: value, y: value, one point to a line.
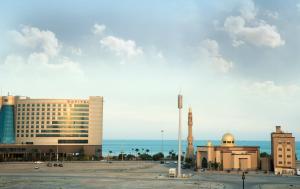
x: 162, y: 141
x: 179, y: 137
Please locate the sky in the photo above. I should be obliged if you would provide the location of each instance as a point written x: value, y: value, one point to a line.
x: 236, y: 63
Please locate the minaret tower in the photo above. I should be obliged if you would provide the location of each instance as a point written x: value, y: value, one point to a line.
x: 190, y: 147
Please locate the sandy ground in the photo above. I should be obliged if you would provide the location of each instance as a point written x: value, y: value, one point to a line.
x: 127, y: 175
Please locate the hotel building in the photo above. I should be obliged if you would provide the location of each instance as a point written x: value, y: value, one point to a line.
x: 71, y: 125
x: 283, y: 152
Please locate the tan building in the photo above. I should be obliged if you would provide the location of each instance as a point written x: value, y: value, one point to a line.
x: 228, y: 156
x: 71, y: 124
x: 283, y: 152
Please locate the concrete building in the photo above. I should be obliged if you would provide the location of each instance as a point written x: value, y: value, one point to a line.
x: 190, y: 146
x: 71, y: 125
x: 283, y: 152
x: 228, y: 156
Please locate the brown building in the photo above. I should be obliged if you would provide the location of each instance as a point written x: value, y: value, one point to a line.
x: 228, y: 156
x: 283, y: 152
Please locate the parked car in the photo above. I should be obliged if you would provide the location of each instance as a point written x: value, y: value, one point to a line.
x: 60, y: 165
x: 55, y: 164
x: 298, y: 172
x: 36, y: 167
x: 38, y: 162
x: 49, y: 164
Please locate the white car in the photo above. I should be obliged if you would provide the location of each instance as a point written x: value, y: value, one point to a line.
x: 298, y: 172
x: 38, y: 162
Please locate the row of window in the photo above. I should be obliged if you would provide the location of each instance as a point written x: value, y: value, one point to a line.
x: 54, y: 122
x: 280, y: 162
x: 288, y: 156
x: 280, y: 149
x: 61, y: 135
x: 53, y: 105
x: 53, y: 109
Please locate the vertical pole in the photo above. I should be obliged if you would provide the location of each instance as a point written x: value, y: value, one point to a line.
x: 162, y: 141
x: 179, y: 137
x: 57, y: 153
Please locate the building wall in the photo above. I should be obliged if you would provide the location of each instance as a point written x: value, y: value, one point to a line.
x: 59, y: 121
x: 230, y: 157
x: 283, y: 151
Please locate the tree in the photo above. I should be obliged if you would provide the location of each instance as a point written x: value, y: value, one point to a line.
x: 147, y: 151
x: 265, y: 154
x: 204, y: 163
x: 158, y: 156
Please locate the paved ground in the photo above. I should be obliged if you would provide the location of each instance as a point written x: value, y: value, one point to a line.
x: 121, y: 175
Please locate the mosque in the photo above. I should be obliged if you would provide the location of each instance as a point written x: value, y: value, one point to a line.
x: 228, y: 156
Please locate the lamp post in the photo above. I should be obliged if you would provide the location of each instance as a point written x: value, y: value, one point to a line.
x: 243, y: 178
x: 162, y: 141
x: 179, y: 136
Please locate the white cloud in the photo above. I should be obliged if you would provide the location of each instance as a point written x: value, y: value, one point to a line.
x: 261, y: 34
x: 247, y: 28
x: 42, y: 52
x: 39, y: 40
x: 271, y: 14
x: 248, y: 9
x: 270, y: 88
x: 99, y: 29
x: 211, y: 49
x: 121, y: 47
x: 76, y: 51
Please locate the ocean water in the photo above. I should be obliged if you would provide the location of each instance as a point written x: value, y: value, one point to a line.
x: 129, y: 146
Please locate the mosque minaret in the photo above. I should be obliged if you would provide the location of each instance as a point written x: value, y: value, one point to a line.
x: 190, y: 147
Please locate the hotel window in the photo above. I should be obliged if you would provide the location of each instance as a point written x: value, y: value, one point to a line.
x: 279, y: 155
x: 288, y: 149
x: 288, y: 156
x: 37, y: 109
x: 48, y: 109
x: 22, y: 135
x: 23, y: 105
x: 280, y: 162
x: 28, y: 109
x: 48, y: 105
x: 43, y: 109
x: 288, y: 142
x: 27, y: 131
x: 38, y: 105
x: 288, y: 162
x: 32, y: 131
x: 27, y: 135
x: 31, y: 135
x: 17, y: 135
x: 18, y: 131
x: 43, y: 105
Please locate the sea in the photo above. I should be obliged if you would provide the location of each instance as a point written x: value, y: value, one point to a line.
x: 155, y: 146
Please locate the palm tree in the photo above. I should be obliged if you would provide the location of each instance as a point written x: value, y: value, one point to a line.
x: 137, y: 150
x: 147, y: 151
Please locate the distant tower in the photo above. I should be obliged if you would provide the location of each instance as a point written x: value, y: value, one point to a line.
x: 190, y: 147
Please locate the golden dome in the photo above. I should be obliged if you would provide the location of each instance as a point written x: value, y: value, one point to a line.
x: 228, y: 140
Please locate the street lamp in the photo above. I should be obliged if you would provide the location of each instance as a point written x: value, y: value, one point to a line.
x: 243, y: 178
x: 162, y: 141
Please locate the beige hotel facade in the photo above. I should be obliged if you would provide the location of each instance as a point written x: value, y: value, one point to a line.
x: 71, y: 125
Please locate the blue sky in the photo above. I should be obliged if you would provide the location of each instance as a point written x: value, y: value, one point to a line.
x: 236, y: 62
